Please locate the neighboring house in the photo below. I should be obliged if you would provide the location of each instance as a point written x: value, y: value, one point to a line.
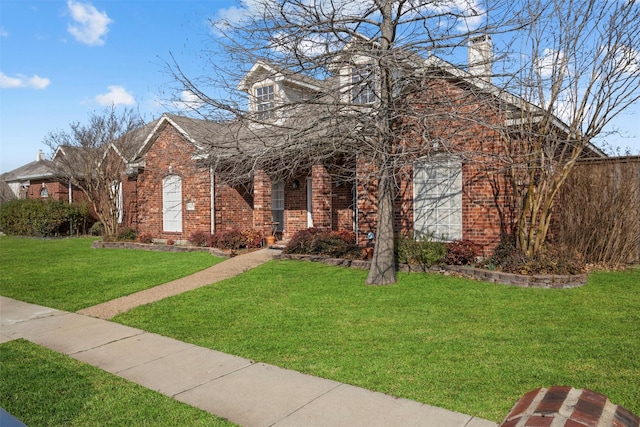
x: 37, y: 180
x: 172, y: 190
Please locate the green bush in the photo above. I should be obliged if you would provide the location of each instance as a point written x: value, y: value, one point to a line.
x: 127, y: 234
x: 43, y: 218
x: 424, y: 252
x: 97, y: 229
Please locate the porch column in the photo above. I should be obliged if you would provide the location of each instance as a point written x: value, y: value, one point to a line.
x: 262, y: 202
x: 321, y: 198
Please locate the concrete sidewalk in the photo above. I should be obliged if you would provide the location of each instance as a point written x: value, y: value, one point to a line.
x: 244, y: 392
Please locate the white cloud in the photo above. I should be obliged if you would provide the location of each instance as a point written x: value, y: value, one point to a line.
x: 34, y: 82
x: 90, y: 25
x: 550, y: 62
x: 626, y: 59
x: 468, y: 14
x: 188, y: 101
x: 3, y: 32
x: 117, y: 95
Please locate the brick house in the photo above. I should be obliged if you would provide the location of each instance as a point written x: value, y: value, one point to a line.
x: 173, y: 196
x: 457, y: 193
x: 37, y: 180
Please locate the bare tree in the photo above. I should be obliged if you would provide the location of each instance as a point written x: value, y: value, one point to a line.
x: 342, y: 120
x: 92, y: 157
x: 578, y: 67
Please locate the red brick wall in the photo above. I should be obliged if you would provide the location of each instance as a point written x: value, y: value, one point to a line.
x: 55, y: 189
x: 453, y: 116
x: 321, y: 197
x: 295, y: 206
x: 342, y: 205
x: 262, y: 202
x: 171, y: 154
x: 233, y: 207
x: 332, y: 203
x: 129, y: 202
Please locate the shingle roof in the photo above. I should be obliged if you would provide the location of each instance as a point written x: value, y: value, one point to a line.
x: 37, y: 169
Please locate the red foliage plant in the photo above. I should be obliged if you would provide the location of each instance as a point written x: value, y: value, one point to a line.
x: 462, y: 252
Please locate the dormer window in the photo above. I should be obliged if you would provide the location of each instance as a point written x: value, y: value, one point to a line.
x: 363, y: 84
x: 265, y: 97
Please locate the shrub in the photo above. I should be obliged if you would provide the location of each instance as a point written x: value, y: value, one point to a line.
x: 301, y: 241
x: 424, y: 252
x: 212, y: 240
x: 145, y: 238
x: 43, y: 218
x: 200, y: 238
x: 551, y: 259
x: 127, y: 234
x: 313, y: 241
x: 555, y: 259
x: 461, y: 252
x: 253, y: 238
x: 231, y: 239
x: 507, y: 257
x: 97, y: 229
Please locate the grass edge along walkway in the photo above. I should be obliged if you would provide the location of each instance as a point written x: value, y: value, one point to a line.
x: 221, y: 271
x: 468, y: 346
x: 41, y: 387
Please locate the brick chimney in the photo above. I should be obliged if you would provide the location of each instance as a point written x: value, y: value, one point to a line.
x: 481, y: 57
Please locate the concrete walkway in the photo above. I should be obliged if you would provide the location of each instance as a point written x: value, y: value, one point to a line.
x: 240, y: 390
x: 223, y: 270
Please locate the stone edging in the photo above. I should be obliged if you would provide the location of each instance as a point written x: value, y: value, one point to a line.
x: 550, y: 281
x: 99, y: 244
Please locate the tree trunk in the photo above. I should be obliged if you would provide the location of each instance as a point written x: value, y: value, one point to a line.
x: 383, y: 265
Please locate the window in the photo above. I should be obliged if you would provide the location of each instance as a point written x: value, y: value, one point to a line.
x: 172, y: 203
x: 437, y: 187
x: 277, y: 204
x: 44, y: 192
x: 264, y: 102
x: 363, y: 84
x: 116, y: 193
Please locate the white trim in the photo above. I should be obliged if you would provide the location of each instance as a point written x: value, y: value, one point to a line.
x: 309, y: 202
x: 212, y: 178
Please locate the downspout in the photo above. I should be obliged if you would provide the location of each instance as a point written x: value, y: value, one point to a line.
x: 70, y: 194
x: 356, y: 209
x: 212, y: 178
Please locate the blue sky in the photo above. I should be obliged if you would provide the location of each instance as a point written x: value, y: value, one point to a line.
x: 61, y: 60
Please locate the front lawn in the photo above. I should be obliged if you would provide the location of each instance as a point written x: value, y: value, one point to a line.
x: 464, y: 345
x: 44, y: 388
x: 67, y: 274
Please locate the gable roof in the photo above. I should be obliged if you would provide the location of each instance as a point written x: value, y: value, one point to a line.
x: 38, y: 169
x: 262, y: 70
x: 195, y: 131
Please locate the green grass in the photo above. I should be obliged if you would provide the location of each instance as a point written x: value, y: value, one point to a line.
x: 464, y: 345
x: 68, y: 275
x: 44, y: 388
